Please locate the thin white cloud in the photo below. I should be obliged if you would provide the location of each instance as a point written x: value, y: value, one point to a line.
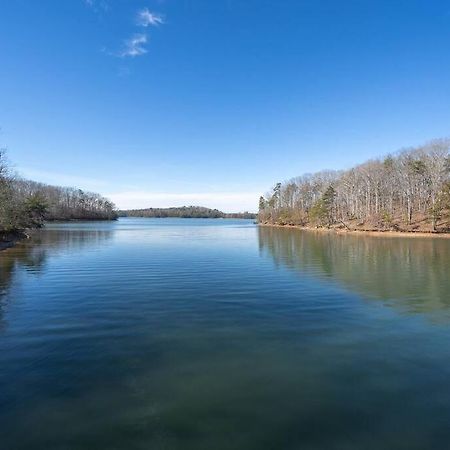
x: 97, y: 5
x: 145, y: 18
x: 134, y: 46
x: 123, y: 72
x: 225, y: 201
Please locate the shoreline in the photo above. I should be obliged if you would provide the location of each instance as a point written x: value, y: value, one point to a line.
x: 375, y: 233
x: 79, y: 220
x: 181, y: 217
x: 11, y: 238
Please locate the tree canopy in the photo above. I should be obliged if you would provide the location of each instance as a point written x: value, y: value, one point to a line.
x: 199, y: 212
x: 27, y: 204
x: 408, y: 190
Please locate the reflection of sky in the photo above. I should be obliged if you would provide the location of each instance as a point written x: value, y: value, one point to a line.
x: 186, y: 335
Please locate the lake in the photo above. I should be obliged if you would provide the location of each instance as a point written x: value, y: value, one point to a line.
x: 216, y: 334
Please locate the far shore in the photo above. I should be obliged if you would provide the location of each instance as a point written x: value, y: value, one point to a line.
x: 378, y: 233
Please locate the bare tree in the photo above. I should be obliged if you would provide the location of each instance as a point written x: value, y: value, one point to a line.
x: 399, y: 190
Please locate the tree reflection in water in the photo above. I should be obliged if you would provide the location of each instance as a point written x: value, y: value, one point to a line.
x: 411, y: 273
x: 31, y: 255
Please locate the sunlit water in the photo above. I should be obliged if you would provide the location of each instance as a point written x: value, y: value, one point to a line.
x: 214, y: 334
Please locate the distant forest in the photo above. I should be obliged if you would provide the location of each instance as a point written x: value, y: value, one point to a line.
x: 197, y: 212
x: 409, y: 191
x: 27, y: 204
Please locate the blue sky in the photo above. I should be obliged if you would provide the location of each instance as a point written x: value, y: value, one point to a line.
x: 172, y: 102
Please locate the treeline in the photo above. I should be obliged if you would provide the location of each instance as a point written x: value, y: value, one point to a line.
x: 27, y: 204
x: 409, y: 190
x: 67, y: 203
x: 183, y: 211
x: 186, y: 212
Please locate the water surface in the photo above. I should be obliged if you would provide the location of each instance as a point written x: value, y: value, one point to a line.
x: 215, y: 334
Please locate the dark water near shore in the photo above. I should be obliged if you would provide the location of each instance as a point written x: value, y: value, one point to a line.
x: 214, y: 334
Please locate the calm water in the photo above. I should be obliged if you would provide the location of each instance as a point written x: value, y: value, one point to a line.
x: 214, y: 334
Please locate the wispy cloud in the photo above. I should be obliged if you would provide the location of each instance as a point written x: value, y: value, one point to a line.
x: 123, y: 72
x: 97, y: 5
x: 134, y: 46
x: 146, y: 18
